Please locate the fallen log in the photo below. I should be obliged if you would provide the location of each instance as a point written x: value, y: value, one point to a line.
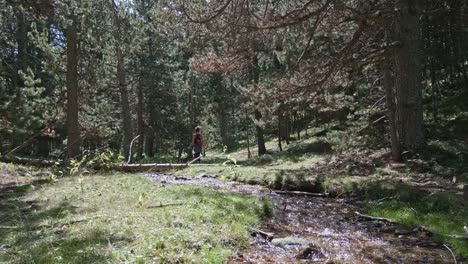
x: 156, y: 167
x: 302, y: 193
x: 29, y: 162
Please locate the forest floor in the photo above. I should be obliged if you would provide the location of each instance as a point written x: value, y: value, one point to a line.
x: 426, y: 190
x: 121, y: 218
x: 146, y: 218
x: 172, y: 218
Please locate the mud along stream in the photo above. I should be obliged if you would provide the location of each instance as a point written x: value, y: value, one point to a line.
x: 322, y: 230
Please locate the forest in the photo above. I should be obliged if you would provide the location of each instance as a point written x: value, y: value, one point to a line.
x: 328, y: 131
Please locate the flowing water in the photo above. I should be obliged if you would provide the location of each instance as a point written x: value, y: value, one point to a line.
x: 323, y: 230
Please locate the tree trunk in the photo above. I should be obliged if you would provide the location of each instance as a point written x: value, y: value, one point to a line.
x: 125, y: 107
x: 279, y: 132
x: 141, y: 124
x: 22, y: 44
x: 73, y: 129
x: 149, y: 146
x: 259, y: 130
x: 124, y: 104
x: 287, y: 128
x: 249, y: 154
x: 255, y: 76
x: 434, y: 89
x: 390, y: 102
x: 409, y: 110
x: 297, y: 126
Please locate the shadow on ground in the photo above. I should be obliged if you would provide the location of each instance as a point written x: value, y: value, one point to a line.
x: 32, y: 233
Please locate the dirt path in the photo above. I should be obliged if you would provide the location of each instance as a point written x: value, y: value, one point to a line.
x: 323, y: 230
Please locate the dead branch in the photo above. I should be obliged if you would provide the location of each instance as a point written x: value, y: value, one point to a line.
x: 164, y: 205
x: 30, y: 162
x: 302, y: 193
x: 374, y: 218
x: 155, y: 167
x: 434, y: 232
x: 266, y: 235
x: 451, y: 252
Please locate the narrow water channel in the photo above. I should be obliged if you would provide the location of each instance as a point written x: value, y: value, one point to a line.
x: 322, y: 230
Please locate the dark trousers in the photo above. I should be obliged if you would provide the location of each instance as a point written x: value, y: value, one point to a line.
x: 196, y: 155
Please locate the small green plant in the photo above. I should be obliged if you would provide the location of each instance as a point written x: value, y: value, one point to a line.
x: 141, y: 200
x: 76, y: 166
x: 278, y: 180
x: 82, y: 183
x: 105, y: 160
x: 231, y: 163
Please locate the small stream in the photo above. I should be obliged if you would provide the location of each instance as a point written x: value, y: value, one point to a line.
x: 322, y: 230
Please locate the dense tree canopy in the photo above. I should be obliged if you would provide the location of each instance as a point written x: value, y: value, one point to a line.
x: 86, y: 76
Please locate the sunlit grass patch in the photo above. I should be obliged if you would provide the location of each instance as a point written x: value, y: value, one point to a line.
x: 125, y: 218
x: 443, y: 212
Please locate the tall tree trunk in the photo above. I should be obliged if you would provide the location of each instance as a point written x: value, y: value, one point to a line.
x: 73, y: 129
x: 255, y: 76
x: 287, y: 128
x: 149, y: 146
x: 141, y: 124
x: 124, y: 104
x: 247, y: 132
x: 22, y: 42
x: 390, y: 103
x: 20, y: 65
x: 434, y: 88
x: 297, y: 126
x: 280, y: 146
x: 259, y: 130
x: 409, y: 110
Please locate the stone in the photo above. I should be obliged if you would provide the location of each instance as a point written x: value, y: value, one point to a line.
x: 290, y: 241
x: 313, y: 253
x: 268, y: 158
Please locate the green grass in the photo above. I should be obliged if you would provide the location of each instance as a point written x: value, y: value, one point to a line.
x: 442, y: 211
x: 382, y: 190
x: 105, y: 218
x: 288, y: 167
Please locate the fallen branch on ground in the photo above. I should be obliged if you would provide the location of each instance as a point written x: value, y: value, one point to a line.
x: 156, y: 167
x: 30, y: 162
x: 434, y: 232
x: 375, y: 218
x: 268, y: 236
x: 302, y: 193
x: 164, y: 205
x: 372, y: 123
x: 451, y: 252
x: 197, y: 158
